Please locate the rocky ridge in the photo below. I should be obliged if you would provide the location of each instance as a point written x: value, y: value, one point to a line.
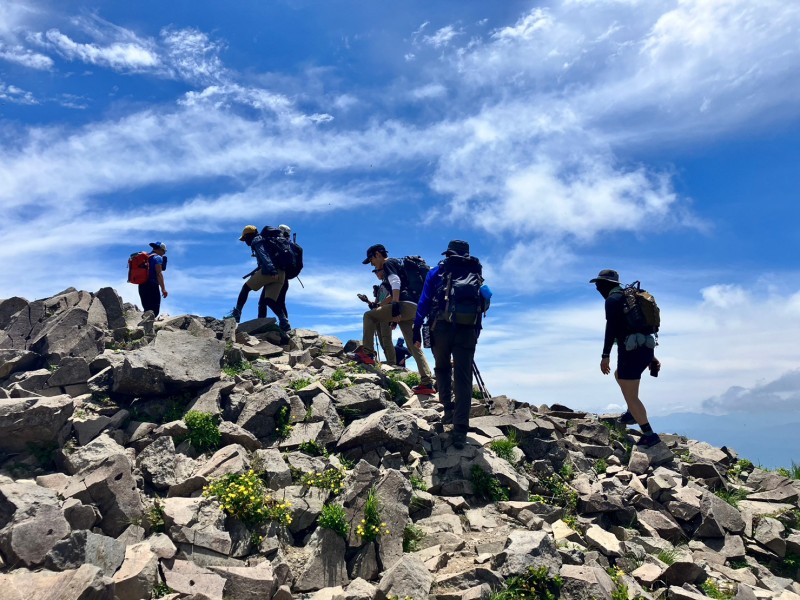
x: 190, y: 458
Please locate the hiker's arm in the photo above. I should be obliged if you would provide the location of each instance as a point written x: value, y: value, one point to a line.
x: 160, y: 279
x: 424, y: 305
x: 263, y: 258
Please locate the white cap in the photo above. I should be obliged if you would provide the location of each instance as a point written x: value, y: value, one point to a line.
x: 285, y: 229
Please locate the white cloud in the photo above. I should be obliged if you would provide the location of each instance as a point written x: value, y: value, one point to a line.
x: 12, y: 93
x: 129, y: 56
x: 442, y: 37
x: 192, y: 55
x: 428, y: 92
x: 25, y: 57
x: 781, y: 394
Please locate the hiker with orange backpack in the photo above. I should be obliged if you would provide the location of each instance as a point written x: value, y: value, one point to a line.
x: 147, y: 270
x: 628, y: 328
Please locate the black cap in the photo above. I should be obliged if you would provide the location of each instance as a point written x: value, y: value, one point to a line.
x: 459, y: 247
x: 372, y: 250
x: 607, y: 275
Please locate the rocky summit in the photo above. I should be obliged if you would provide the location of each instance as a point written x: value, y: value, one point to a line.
x: 191, y: 458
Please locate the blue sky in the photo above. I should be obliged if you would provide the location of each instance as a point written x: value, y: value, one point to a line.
x: 657, y: 137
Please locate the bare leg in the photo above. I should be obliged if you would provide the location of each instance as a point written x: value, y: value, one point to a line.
x: 630, y: 391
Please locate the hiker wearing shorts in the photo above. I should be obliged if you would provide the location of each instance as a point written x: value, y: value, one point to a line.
x: 452, y: 341
x: 635, y: 353
x: 400, y: 310
x: 278, y: 306
x: 265, y: 276
x: 151, y: 291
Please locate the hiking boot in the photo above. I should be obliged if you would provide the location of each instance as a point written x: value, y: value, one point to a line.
x: 648, y: 440
x: 424, y: 389
x: 459, y: 439
x: 236, y: 313
x: 627, y: 418
x: 363, y: 356
x: 285, y: 326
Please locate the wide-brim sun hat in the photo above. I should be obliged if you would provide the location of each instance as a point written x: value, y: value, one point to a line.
x: 606, y: 275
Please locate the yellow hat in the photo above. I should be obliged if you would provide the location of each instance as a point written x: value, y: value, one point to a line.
x: 249, y: 230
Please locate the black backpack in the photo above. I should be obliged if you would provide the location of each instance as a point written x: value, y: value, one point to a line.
x: 459, y: 298
x: 416, y: 270
x: 280, y: 250
x: 297, y: 266
x: 642, y: 314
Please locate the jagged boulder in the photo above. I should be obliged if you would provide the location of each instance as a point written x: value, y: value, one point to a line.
x: 524, y: 549
x: 13, y: 361
x: 390, y: 429
x: 85, y: 583
x: 176, y: 360
x: 407, y: 578
x: 325, y: 566
x: 85, y: 547
x: 26, y: 422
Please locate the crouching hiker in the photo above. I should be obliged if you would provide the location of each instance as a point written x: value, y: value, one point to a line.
x: 401, y: 309
x: 266, y: 275
x: 454, y: 300
x: 635, y: 349
x: 278, y: 305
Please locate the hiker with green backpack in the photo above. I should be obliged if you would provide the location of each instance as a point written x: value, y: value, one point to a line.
x: 405, y: 277
x: 632, y: 322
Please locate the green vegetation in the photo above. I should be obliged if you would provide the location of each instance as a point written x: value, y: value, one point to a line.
x: 412, y: 536
x: 418, y: 483
x: 334, y: 517
x: 312, y: 448
x: 283, y: 426
x: 668, y: 556
x: 203, y: 430
x: 536, y: 498
x: 487, y: 486
x: 505, y: 448
x: 232, y: 370
x: 45, y: 453
x: 535, y: 584
x: 561, y: 494
x: 740, y: 467
x: 329, y: 479
x: 300, y: 383
x: 411, y: 379
x: 567, y: 472
x: 371, y: 526
x: 160, y: 590
x: 792, y: 472
x: 244, y: 497
x: 732, y: 497
x: 346, y: 463
x: 336, y: 381
x: 477, y: 394
x: 600, y: 466
x: 711, y: 590
x: 155, y: 516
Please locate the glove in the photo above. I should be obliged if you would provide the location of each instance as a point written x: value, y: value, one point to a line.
x: 395, y: 309
x: 417, y: 334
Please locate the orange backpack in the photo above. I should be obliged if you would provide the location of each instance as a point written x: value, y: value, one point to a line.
x: 138, y: 268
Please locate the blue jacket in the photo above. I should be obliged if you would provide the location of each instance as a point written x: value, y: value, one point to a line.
x: 426, y: 299
x: 259, y: 249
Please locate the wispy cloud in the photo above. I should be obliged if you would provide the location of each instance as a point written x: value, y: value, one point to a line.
x: 127, y: 56
x: 12, y: 93
x: 25, y: 57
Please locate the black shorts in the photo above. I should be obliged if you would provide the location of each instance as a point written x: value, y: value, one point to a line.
x: 631, y: 364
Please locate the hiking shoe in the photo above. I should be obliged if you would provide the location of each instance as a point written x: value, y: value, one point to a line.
x: 627, y: 418
x: 285, y: 327
x: 648, y: 440
x: 459, y: 439
x: 363, y: 356
x: 424, y: 389
x: 236, y: 313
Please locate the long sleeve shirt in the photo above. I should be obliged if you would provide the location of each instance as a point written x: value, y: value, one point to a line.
x: 426, y: 299
x: 259, y: 248
x: 616, y: 326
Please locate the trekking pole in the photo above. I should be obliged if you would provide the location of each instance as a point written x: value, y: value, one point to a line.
x: 377, y: 347
x: 479, y: 379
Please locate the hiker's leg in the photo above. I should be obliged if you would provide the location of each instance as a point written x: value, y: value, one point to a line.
x: 150, y: 295
x: 407, y: 327
x: 372, y: 319
x: 240, y: 301
x: 281, y: 301
x: 464, y: 340
x: 385, y: 336
x: 262, y: 304
x: 441, y: 347
x: 630, y: 391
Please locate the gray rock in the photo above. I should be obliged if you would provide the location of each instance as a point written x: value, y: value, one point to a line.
x: 230, y: 459
x: 28, y: 538
x: 157, y: 463
x: 273, y: 468
x: 85, y: 547
x: 211, y: 399
x: 769, y: 533
x: 683, y: 570
x: 112, y: 488
x: 408, y: 577
x: 85, y: 583
x: 10, y: 307
x: 175, y: 361
x: 583, y: 582
x: 604, y: 541
x: 258, y: 414
x: 25, y: 421
x: 364, y: 564
x: 256, y: 326
x: 89, y: 426
x: 325, y: 566
x: 248, y: 583
x: 363, y: 398
x: 360, y: 589
x: 197, y: 521
x: 390, y: 429
x: 230, y: 433
x: 662, y: 523
x: 719, y: 517
x: 68, y: 333
x: 526, y: 548
x: 112, y: 303
x: 92, y: 454
x: 70, y: 370
x: 78, y: 515
x: 394, y: 494
x: 187, y: 578
x: 499, y: 468
x: 13, y: 361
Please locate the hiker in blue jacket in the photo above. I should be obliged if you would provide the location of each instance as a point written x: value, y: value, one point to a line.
x: 266, y: 275
x: 401, y: 352
x: 632, y: 358
x: 454, y: 331
x: 278, y: 305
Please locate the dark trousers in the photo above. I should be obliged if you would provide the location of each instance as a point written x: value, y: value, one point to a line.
x: 150, y: 295
x: 453, y: 348
x: 278, y: 305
